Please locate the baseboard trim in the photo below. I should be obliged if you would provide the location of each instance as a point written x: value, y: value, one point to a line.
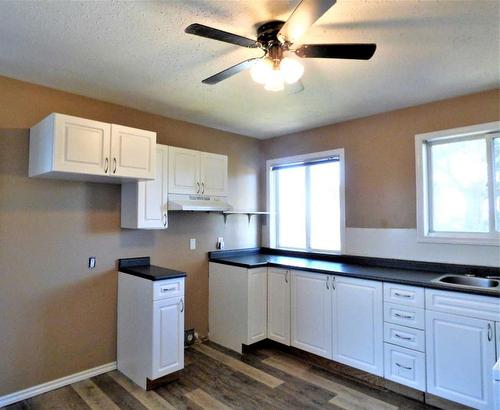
x: 55, y: 384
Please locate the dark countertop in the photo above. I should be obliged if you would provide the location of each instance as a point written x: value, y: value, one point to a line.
x: 410, y: 276
x: 142, y: 268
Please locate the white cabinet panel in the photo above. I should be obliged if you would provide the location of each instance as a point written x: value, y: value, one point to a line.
x: 257, y: 305
x: 132, y: 152
x: 278, y: 317
x: 168, y: 336
x: 184, y: 171
x: 213, y: 174
x: 358, y: 324
x: 404, y: 366
x: 311, y: 313
x: 404, y: 336
x: 144, y: 204
x: 460, y: 355
x: 404, y: 315
x: 404, y: 295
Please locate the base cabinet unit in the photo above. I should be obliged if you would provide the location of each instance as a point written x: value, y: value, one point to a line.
x: 460, y: 348
x: 311, y: 313
x: 67, y: 147
x: 237, y: 308
x: 278, y: 305
x: 150, y: 328
x: 144, y: 203
x: 404, y: 366
x: 358, y: 337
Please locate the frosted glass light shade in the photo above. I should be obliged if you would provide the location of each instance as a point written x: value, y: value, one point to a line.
x: 292, y: 70
x: 261, y: 70
x: 275, y: 81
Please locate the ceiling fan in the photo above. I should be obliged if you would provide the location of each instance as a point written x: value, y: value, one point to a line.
x: 276, y: 39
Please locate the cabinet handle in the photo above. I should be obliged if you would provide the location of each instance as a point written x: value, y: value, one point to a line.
x: 202, y: 187
x: 106, y: 165
x: 182, y: 305
x: 327, y: 282
x: 402, y: 337
x: 490, y: 332
x: 164, y: 219
x: 198, y: 185
x: 403, y: 367
x: 403, y: 316
x: 286, y: 277
x: 402, y: 295
x: 333, y: 282
x: 114, y: 165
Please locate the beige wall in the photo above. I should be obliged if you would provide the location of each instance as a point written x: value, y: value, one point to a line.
x: 56, y: 316
x: 380, y: 154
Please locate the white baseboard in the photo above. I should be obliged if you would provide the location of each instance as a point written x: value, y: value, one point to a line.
x: 55, y: 384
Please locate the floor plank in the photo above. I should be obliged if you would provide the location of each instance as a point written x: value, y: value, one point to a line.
x: 121, y: 397
x: 205, y: 401
x: 93, y: 395
x: 250, y: 371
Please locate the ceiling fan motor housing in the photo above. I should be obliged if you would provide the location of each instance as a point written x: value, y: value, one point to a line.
x: 267, y: 33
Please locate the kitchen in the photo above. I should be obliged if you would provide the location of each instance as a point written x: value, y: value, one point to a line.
x: 59, y: 317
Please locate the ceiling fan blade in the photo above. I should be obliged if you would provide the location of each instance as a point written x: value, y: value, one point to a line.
x: 303, y: 17
x: 215, y: 34
x: 294, y: 88
x: 229, y: 72
x: 347, y: 51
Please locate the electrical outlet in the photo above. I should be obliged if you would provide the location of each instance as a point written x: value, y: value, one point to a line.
x: 220, y: 243
x: 92, y: 262
x: 192, y: 244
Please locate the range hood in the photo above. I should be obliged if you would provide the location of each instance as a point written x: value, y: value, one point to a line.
x: 200, y: 203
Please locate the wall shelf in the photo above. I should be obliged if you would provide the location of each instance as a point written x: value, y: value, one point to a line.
x: 249, y: 214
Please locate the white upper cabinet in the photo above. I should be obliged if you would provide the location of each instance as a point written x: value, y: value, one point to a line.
x: 358, y: 324
x: 213, y: 174
x: 278, y: 305
x: 311, y: 313
x: 67, y: 147
x: 144, y: 203
x: 195, y: 172
x: 132, y: 152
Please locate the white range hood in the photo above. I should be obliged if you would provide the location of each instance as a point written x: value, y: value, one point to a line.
x: 200, y: 203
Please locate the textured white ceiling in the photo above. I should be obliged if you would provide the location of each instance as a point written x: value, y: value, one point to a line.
x: 137, y: 54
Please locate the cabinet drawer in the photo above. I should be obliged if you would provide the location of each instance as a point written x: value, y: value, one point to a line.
x: 404, y: 336
x: 404, y: 295
x: 404, y: 315
x: 168, y: 288
x: 404, y: 366
x: 463, y: 304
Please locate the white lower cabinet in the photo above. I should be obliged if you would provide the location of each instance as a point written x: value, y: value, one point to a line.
x: 278, y: 305
x: 311, y: 313
x: 257, y: 305
x: 358, y: 339
x: 405, y: 366
x: 460, y: 357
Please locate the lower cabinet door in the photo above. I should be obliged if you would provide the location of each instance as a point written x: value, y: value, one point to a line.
x: 404, y: 366
x: 278, y: 305
x: 168, y: 336
x: 358, y: 335
x: 460, y: 355
x: 257, y: 305
x: 311, y: 313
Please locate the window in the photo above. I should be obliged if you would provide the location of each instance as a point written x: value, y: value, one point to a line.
x: 458, y: 185
x: 306, y: 200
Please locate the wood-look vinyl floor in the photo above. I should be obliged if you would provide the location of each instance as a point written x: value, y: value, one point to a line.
x: 217, y: 379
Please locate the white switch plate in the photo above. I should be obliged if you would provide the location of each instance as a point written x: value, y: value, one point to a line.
x: 192, y: 243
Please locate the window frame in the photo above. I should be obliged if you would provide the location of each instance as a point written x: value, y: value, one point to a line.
x: 271, y: 195
x: 423, y: 143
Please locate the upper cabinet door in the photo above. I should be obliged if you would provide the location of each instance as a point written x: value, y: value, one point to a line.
x: 184, y: 171
x: 278, y: 305
x: 460, y: 353
x: 132, y: 152
x: 311, y: 313
x: 358, y: 324
x: 213, y: 174
x: 80, y: 146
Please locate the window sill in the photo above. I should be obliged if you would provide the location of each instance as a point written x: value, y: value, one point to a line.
x: 459, y: 240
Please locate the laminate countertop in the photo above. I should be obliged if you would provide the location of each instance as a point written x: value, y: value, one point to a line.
x: 400, y: 275
x: 142, y: 268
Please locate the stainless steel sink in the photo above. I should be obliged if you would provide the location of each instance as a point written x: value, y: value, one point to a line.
x: 469, y: 281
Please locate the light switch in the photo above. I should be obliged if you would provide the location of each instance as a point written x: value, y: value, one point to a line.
x: 92, y: 262
x: 192, y: 243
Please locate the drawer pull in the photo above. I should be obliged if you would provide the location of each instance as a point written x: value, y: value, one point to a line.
x: 403, y: 316
x: 490, y: 332
x: 403, y: 295
x: 402, y: 337
x: 170, y: 289
x: 403, y: 367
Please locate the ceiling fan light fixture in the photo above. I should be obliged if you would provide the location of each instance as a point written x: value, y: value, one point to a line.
x: 261, y: 70
x: 275, y: 80
x: 291, y: 69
